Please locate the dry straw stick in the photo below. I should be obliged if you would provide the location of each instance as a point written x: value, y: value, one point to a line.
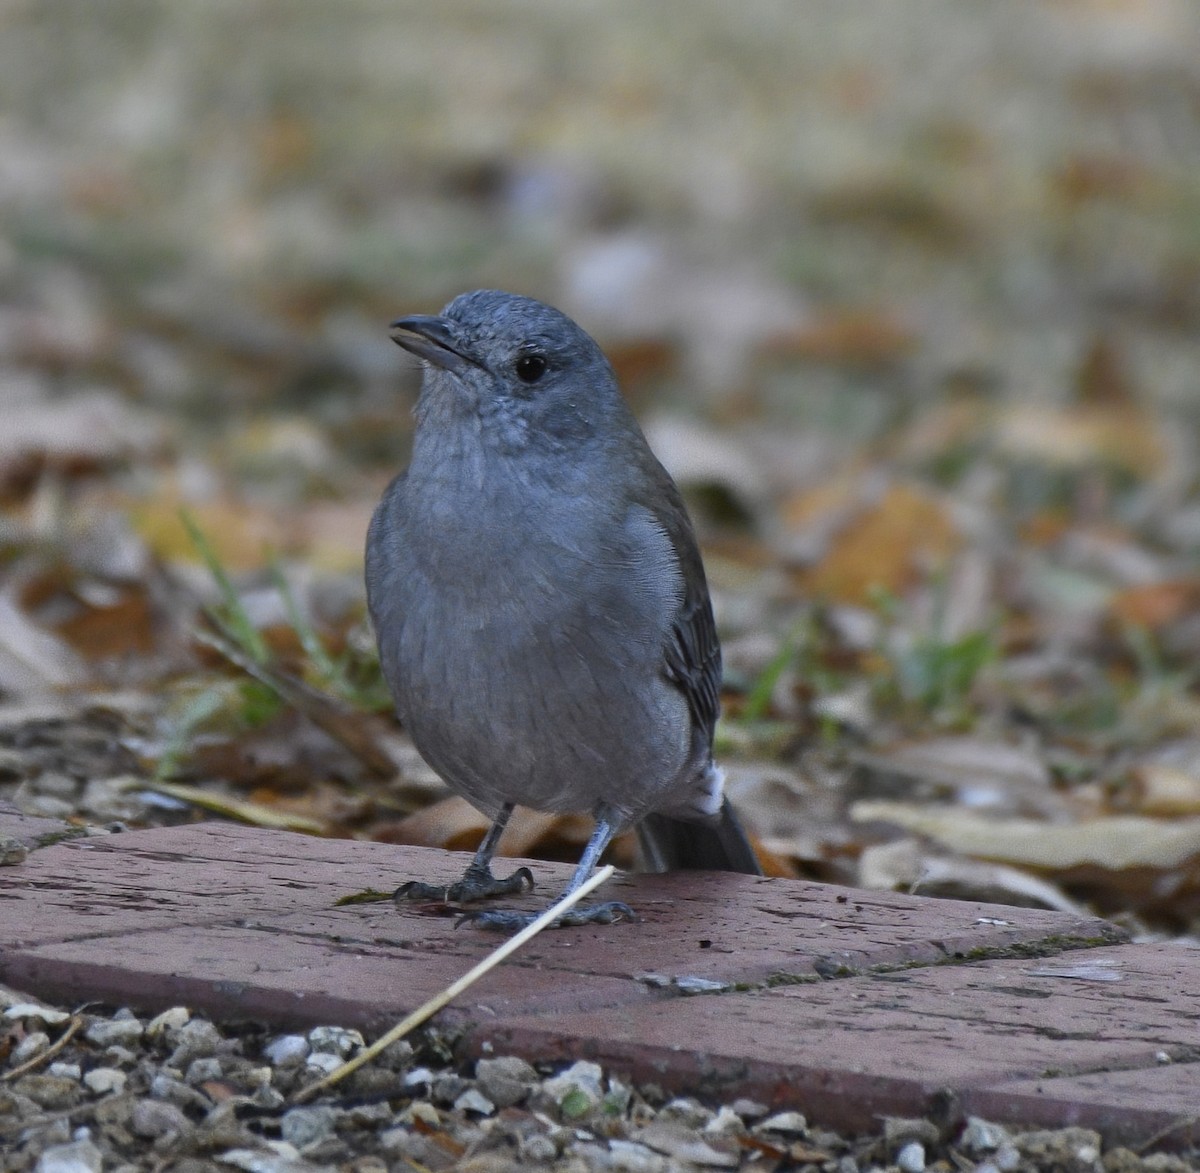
x: 452, y: 991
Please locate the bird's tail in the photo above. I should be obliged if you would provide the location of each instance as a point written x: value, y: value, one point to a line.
x: 717, y: 844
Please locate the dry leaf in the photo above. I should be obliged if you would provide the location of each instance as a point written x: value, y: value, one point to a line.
x: 1156, y: 605
x: 73, y: 434
x: 1119, y: 841
x: 32, y: 660
x: 121, y: 628
x: 1165, y: 791
x: 906, y: 866
x: 848, y: 338
x: 887, y: 544
x: 240, y: 535
x: 1121, y: 435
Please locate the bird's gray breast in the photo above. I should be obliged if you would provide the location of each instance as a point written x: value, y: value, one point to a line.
x: 524, y: 645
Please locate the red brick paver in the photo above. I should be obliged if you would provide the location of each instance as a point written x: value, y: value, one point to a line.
x: 845, y: 1004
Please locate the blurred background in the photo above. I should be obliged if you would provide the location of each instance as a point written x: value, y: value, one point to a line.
x: 906, y: 296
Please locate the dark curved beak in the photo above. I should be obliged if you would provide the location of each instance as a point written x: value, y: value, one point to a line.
x: 431, y: 339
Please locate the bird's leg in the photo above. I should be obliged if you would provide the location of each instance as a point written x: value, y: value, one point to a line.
x: 477, y: 883
x: 503, y: 919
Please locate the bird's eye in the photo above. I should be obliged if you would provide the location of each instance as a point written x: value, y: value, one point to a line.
x: 530, y: 367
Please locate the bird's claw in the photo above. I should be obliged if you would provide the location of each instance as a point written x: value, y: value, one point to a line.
x: 475, y: 885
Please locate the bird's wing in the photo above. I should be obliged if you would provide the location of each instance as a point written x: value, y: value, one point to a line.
x: 692, y: 653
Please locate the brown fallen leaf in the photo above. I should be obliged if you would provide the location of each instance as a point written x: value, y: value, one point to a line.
x: 240, y: 534
x: 1121, y: 435
x: 1165, y: 791
x: 871, y: 545
x: 256, y: 814
x: 1156, y: 605
x: 1112, y: 842
x: 124, y: 627
x: 849, y: 337
x: 909, y: 866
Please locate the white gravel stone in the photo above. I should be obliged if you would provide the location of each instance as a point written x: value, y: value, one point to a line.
x: 627, y: 1156
x: 168, y: 1021
x: 337, y: 1040
x: 505, y: 1080
x: 323, y: 1061
x: 79, y: 1157
x: 982, y: 1136
x: 287, y: 1050
x: 107, y: 1032
x: 418, y: 1077
x: 201, y: 1069
x: 581, y: 1082
x: 687, y: 1110
x: 154, y: 1118
x: 789, y: 1122
x: 724, y: 1122
x: 66, y: 1071
x: 276, y: 1159
x: 26, y: 1010
x: 1007, y: 1158
x: 473, y: 1100
x: 911, y: 1158
x: 32, y: 1044
x: 749, y: 1109
x: 538, y: 1147
x: 103, y: 1080
x: 197, y: 1039
x: 304, y: 1126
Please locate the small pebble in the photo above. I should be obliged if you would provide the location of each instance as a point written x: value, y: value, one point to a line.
x: 167, y: 1087
x: 102, y: 1080
x: 106, y: 1032
x: 724, y: 1122
x: 154, y: 1118
x: 505, y: 1080
x: 32, y: 1044
x: 197, y: 1039
x: 200, y: 1070
x: 788, y: 1122
x: 279, y: 1158
x: 630, y: 1157
x: 79, y: 1157
x: 1007, y: 1158
x: 49, y: 1091
x: 686, y: 1110
x: 66, y: 1071
x: 447, y: 1088
x: 911, y: 1158
x: 22, y: 1011
x: 690, y: 984
x: 577, y: 1090
x: 304, y: 1126
x: 168, y: 1021
x: 538, y: 1147
x: 337, y: 1040
x: 287, y: 1050
x: 418, y: 1077
x: 323, y: 1062
x: 749, y: 1109
x: 473, y: 1100
x: 420, y: 1110
x: 12, y: 852
x: 982, y: 1136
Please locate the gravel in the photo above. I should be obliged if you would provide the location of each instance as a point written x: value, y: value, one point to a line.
x: 177, y: 1093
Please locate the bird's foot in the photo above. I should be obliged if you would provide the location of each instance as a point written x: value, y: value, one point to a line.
x: 476, y: 884
x: 504, y: 920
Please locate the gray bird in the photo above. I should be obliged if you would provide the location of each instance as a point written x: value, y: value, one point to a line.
x: 542, y: 614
